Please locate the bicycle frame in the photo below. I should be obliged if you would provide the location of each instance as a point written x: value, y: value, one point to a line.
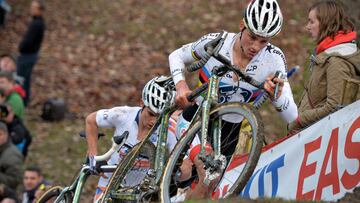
x: 73, y: 191
x: 161, y: 143
x: 76, y: 186
x: 163, y: 121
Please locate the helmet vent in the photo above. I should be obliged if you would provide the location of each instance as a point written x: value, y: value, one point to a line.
x: 254, y: 22
x: 266, y: 18
x: 274, y: 26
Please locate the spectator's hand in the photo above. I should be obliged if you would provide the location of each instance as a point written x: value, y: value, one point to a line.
x: 294, y: 127
x: 270, y: 84
x: 2, y: 188
x: 40, y: 191
x: 10, y: 117
x: 182, y: 92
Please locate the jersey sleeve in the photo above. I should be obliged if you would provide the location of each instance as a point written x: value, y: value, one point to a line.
x: 188, y: 54
x: 109, y: 118
x: 285, y: 104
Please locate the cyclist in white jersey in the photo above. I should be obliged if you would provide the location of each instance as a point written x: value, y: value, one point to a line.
x: 136, y: 120
x: 250, y: 50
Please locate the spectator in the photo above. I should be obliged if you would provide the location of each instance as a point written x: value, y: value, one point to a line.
x: 2, y: 15
x: 8, y: 64
x: 335, y: 61
x: 7, y: 195
x: 34, y: 184
x: 12, y: 94
x: 19, y: 134
x: 4, y: 8
x: 30, y: 45
x: 11, y: 160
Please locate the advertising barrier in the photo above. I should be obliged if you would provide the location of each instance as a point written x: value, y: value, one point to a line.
x: 321, y: 162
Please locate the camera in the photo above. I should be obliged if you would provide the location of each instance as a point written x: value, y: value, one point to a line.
x: 4, y: 112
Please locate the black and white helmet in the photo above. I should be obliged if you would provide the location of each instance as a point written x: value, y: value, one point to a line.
x: 263, y: 17
x: 157, y: 92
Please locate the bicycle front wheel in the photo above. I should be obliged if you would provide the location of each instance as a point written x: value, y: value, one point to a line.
x: 51, y: 194
x: 129, y: 174
x: 240, y: 123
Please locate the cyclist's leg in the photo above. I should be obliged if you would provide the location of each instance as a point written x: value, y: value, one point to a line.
x: 101, y: 187
x: 184, y: 119
x: 105, y: 178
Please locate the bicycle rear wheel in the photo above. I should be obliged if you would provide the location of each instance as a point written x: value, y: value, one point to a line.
x: 51, y: 194
x: 129, y: 173
x: 234, y: 138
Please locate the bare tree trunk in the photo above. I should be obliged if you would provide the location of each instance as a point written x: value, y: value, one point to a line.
x: 352, y: 8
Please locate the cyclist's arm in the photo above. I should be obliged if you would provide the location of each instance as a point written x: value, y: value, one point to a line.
x: 91, y: 134
x: 285, y: 104
x: 181, y: 57
x: 187, y: 54
x: 104, y: 118
x: 178, y: 59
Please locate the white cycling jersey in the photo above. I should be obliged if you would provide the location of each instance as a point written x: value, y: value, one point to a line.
x: 269, y: 60
x: 123, y: 119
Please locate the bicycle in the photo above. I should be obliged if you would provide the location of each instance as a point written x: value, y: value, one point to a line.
x: 146, y: 187
x: 71, y: 193
x: 158, y: 176
x: 209, y: 124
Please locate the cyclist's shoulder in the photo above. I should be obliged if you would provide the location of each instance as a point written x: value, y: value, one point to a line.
x: 119, y: 112
x: 272, y: 54
x: 211, y: 36
x: 126, y: 109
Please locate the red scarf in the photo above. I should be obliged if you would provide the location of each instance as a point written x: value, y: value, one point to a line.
x: 340, y: 37
x: 18, y: 89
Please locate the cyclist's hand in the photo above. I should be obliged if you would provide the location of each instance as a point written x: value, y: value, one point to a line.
x: 182, y: 92
x: 270, y: 84
x: 95, y: 166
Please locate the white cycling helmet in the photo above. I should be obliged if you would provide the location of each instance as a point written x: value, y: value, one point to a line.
x: 263, y: 17
x: 157, y: 93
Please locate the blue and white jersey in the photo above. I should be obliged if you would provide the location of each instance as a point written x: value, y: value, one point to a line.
x: 265, y: 63
x: 123, y: 119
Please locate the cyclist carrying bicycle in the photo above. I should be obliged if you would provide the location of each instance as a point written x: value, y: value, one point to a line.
x: 136, y: 120
x: 251, y: 50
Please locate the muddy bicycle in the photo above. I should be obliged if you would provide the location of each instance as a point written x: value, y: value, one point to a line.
x: 72, y: 193
x: 162, y: 182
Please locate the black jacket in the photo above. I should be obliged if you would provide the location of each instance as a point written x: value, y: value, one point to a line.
x: 18, y: 132
x: 34, y: 36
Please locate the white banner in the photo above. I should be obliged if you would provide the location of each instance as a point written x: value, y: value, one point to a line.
x: 321, y: 162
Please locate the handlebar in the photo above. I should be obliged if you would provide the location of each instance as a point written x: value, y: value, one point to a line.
x: 104, y: 168
x: 197, y: 92
x: 83, y: 134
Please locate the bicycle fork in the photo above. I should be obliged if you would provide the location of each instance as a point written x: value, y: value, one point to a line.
x: 214, y: 163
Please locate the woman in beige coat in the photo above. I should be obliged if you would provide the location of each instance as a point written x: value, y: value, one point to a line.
x: 336, y: 60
